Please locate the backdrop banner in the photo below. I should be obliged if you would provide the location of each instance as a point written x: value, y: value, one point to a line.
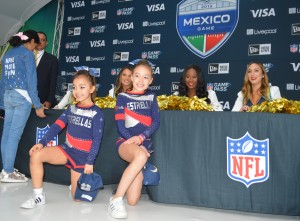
x: 220, y: 36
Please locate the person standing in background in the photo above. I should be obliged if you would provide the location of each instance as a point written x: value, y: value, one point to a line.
x: 17, y: 95
x: 47, y: 71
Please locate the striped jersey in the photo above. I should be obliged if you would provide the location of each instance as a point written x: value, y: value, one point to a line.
x: 137, y: 114
x: 84, y: 130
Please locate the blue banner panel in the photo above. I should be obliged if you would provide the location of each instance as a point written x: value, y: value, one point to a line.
x: 220, y: 36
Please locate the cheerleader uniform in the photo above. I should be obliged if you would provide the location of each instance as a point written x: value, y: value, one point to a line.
x: 137, y: 114
x: 83, y: 137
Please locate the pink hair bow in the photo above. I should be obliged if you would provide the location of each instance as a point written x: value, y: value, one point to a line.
x: 23, y: 37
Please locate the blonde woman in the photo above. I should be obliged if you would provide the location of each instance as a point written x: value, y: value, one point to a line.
x: 256, y: 88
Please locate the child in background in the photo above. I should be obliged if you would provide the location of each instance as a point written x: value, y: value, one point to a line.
x: 137, y: 117
x: 85, y: 123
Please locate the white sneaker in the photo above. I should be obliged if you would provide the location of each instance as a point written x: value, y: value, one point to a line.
x: 20, y: 174
x: 1, y: 174
x: 14, y: 177
x: 34, y: 201
x: 116, y: 208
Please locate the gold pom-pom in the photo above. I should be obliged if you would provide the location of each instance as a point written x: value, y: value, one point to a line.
x: 174, y: 102
x: 279, y: 105
x: 105, y: 102
x: 165, y: 102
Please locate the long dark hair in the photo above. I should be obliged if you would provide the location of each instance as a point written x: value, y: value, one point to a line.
x: 201, y: 90
x: 17, y: 41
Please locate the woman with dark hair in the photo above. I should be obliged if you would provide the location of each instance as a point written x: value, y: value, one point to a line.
x: 123, y: 82
x: 17, y: 95
x: 256, y: 88
x: 192, y: 83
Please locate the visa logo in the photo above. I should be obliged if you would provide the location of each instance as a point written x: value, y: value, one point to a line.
x: 263, y: 12
x: 98, y: 43
x: 125, y: 26
x: 156, y: 7
x: 77, y: 4
x: 296, y: 67
x: 72, y: 59
x: 156, y: 70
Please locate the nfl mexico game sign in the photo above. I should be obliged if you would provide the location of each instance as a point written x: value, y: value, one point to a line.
x: 248, y: 159
x: 205, y: 25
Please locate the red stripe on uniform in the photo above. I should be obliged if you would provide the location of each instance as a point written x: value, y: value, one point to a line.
x: 70, y: 159
x: 120, y: 117
x: 143, y: 119
x: 84, y: 145
x: 60, y: 123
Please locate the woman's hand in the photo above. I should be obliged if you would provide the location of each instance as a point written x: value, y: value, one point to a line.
x: 88, y: 169
x: 245, y: 108
x: 35, y: 148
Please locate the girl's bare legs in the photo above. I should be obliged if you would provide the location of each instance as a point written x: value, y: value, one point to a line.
x: 38, y: 156
x: 134, y: 191
x: 74, y: 178
x: 50, y: 155
x: 132, y: 178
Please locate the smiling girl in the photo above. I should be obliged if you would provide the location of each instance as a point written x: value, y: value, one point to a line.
x: 85, y: 123
x: 137, y: 117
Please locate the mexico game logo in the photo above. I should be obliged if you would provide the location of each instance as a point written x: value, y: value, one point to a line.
x: 248, y: 159
x: 205, y: 25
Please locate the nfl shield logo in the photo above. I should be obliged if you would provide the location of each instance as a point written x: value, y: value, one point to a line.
x: 210, y: 86
x: 248, y: 159
x: 293, y: 48
x: 40, y: 132
x: 144, y: 55
x: 205, y: 25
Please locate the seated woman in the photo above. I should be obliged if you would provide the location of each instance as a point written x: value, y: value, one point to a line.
x: 123, y: 81
x: 256, y: 88
x: 192, y: 83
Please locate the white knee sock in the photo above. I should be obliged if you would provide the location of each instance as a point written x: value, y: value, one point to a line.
x: 38, y: 191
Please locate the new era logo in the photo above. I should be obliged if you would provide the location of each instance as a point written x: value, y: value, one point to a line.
x: 151, y: 39
x: 218, y: 68
x: 259, y: 49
